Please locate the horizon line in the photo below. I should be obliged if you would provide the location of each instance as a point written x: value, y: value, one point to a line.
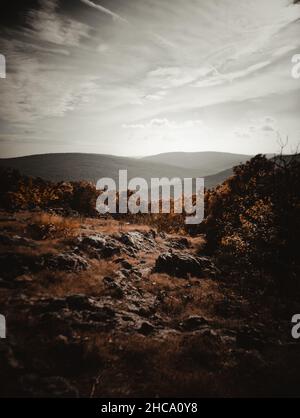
x: 141, y: 156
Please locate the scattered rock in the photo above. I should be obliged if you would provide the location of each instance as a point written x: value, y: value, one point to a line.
x: 41, y: 232
x: 53, y: 386
x: 116, y: 289
x: 78, y: 302
x: 100, y: 245
x: 146, y: 328
x: 178, y: 243
x: 96, y: 241
x: 193, y: 322
x: 126, y: 265
x: 139, y: 241
x: 76, y: 309
x: 182, y: 265
x: 105, y: 314
x: 132, y: 274
x: 66, y: 262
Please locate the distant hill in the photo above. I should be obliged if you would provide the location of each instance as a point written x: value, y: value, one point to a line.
x: 91, y: 167
x: 214, y: 166
x: 218, y: 178
x: 208, y: 162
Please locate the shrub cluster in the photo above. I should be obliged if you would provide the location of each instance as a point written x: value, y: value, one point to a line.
x: 253, y: 222
x: 18, y: 192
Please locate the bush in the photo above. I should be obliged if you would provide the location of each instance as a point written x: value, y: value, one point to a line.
x: 253, y: 222
x: 22, y: 192
x: 45, y: 225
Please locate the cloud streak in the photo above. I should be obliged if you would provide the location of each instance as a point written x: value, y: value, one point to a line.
x: 51, y: 26
x: 219, y: 78
x: 165, y: 123
x: 102, y: 9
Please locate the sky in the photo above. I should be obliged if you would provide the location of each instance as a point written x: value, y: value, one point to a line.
x: 141, y: 77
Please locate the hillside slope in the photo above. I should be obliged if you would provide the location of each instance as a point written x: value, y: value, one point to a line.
x: 91, y: 167
x: 208, y: 162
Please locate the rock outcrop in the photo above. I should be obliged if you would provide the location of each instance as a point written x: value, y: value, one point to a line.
x: 183, y: 265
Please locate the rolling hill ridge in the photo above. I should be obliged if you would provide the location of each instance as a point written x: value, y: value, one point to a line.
x: 214, y: 166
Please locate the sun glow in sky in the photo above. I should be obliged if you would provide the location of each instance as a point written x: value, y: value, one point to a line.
x: 138, y: 77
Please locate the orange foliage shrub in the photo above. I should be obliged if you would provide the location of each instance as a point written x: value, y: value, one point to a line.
x: 253, y: 222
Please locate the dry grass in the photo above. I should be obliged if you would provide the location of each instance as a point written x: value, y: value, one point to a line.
x: 112, y: 226
x: 139, y: 366
x: 184, y: 297
x: 168, y: 364
x: 62, y: 284
x: 45, y: 225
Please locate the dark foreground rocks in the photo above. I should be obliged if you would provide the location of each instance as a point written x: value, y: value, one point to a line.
x: 107, y: 246
x: 182, y: 265
x: 14, y: 265
x: 67, y: 261
x: 103, y: 314
x: 99, y: 245
x: 138, y: 241
x: 44, y: 387
x: 194, y: 322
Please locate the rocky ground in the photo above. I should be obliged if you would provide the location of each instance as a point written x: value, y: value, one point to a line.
x: 100, y: 308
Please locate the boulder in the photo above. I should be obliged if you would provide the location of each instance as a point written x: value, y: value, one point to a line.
x: 146, y: 328
x: 66, y: 262
x: 100, y: 245
x: 78, y: 302
x: 114, y: 287
x: 193, y: 322
x: 74, y: 312
x: 96, y: 241
x: 139, y: 241
x: 181, y: 265
x: 178, y: 243
x: 126, y: 265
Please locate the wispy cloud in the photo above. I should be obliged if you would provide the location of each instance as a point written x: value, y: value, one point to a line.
x: 166, y: 123
x: 169, y: 77
x: 263, y: 126
x: 36, y: 89
x: 104, y: 10
x: 219, y: 78
x: 51, y: 26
